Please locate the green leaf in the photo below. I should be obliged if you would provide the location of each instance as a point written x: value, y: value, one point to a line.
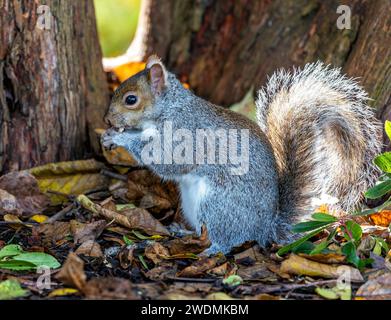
x: 349, y: 250
x: 39, y: 259
x: 377, y: 248
x: 379, y: 190
x: 327, y: 293
x: 373, y: 210
x: 233, y: 280
x: 17, y: 265
x: 143, y: 262
x: 324, y: 217
x: 354, y: 229
x: 383, y: 162
x: 127, y: 241
x: 10, y: 250
x: 306, y: 247
x: 308, y: 226
x: 387, y: 128
x: 320, y: 247
x: 11, y: 289
x: 382, y: 244
x: 120, y: 207
x: 299, y: 242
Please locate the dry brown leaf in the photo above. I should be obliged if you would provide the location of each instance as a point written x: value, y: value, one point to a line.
x: 164, y: 271
x: 53, y: 232
x: 126, y: 256
x: 302, y: 266
x: 90, y: 248
x: 378, y: 288
x: 382, y: 218
x: 257, y: 271
x: 110, y: 288
x: 329, y: 258
x: 221, y: 270
x: 72, y: 272
x: 199, y: 267
x: 189, y: 244
x: 83, y: 232
x: 136, y: 218
x: 20, y: 194
x: 156, y: 252
x: 253, y: 253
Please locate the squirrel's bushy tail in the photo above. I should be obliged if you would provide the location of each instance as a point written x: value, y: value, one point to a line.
x: 324, y: 136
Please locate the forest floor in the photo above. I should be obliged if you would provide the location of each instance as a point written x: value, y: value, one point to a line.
x: 123, y: 237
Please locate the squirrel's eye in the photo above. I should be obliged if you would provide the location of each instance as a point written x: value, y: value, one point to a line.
x: 130, y: 100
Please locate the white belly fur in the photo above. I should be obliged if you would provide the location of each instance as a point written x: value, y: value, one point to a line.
x: 193, y: 190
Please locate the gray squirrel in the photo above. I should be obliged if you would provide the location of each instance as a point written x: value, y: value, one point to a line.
x: 315, y: 136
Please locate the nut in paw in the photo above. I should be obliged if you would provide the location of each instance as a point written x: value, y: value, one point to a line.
x: 107, y: 139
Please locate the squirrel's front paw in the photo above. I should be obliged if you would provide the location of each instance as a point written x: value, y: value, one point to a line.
x: 107, y: 139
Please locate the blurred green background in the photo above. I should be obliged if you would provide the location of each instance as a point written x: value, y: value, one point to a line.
x: 117, y: 22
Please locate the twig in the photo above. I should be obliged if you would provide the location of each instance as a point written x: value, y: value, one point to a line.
x: 61, y: 214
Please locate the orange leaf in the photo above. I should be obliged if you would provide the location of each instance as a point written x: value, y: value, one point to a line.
x: 382, y: 218
x: 127, y: 70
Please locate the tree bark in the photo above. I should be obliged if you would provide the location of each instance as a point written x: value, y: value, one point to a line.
x: 53, y: 91
x: 223, y: 48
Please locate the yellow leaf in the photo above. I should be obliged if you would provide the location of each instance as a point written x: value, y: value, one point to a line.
x: 127, y: 70
x: 69, y: 178
x: 11, y: 218
x: 63, y: 292
x: 382, y: 218
x: 301, y: 266
x: 40, y: 218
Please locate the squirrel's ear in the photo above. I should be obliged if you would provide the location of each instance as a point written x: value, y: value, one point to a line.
x: 157, y: 74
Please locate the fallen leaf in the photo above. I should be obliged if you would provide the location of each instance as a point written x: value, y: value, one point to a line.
x: 126, y: 256
x: 199, y: 267
x: 127, y: 70
x: 329, y: 258
x: 72, y: 272
x: 53, y: 232
x: 302, y: 266
x: 110, y: 288
x: 90, y: 248
x: 257, y: 271
x: 85, y: 232
x: 382, y: 218
x: 378, y: 288
x: 11, y: 289
x: 164, y: 271
x: 233, y: 280
x: 70, y: 178
x: 131, y: 218
x: 61, y: 292
x: 20, y: 194
x: 189, y: 244
x: 156, y: 252
x: 40, y: 218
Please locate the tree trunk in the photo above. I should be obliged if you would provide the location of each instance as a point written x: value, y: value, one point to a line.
x: 223, y: 48
x: 53, y: 91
